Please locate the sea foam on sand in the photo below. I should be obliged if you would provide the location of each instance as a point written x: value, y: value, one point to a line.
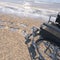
x: 27, y: 11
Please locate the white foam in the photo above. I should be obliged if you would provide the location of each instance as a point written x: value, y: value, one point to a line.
x: 27, y: 11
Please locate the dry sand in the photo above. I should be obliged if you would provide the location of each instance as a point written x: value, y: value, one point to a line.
x: 12, y: 44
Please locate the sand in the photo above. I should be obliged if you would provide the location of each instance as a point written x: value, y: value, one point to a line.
x: 12, y: 42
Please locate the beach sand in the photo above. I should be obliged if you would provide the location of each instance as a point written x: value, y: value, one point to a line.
x: 12, y: 42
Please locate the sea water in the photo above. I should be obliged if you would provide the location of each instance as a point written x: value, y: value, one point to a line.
x: 27, y: 11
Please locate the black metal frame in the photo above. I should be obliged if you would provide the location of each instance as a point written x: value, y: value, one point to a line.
x: 53, y: 42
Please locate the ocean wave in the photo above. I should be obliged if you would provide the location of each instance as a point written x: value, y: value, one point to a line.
x: 28, y: 12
